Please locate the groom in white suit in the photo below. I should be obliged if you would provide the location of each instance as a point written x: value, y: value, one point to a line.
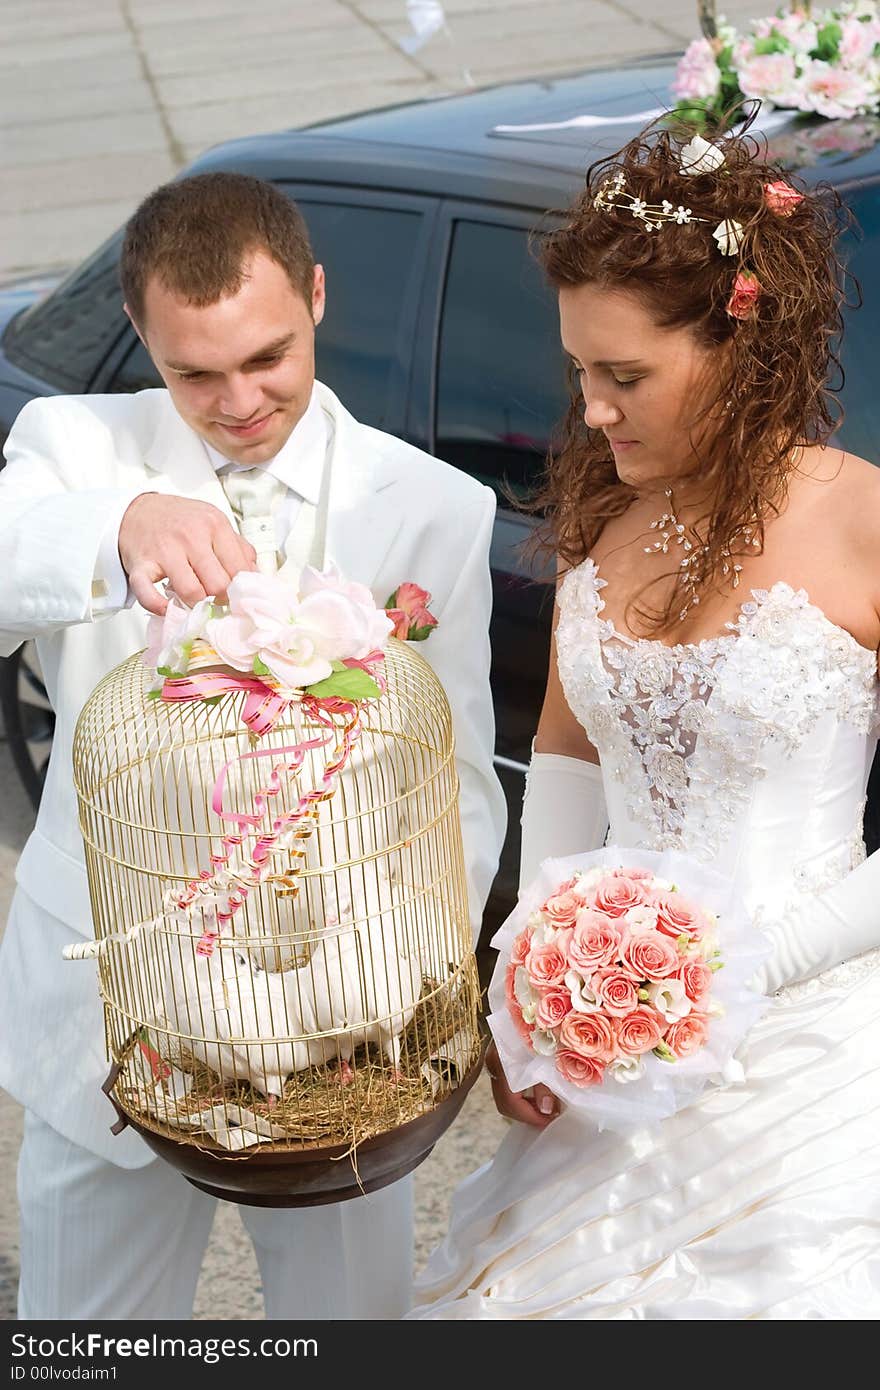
x: 103, y: 499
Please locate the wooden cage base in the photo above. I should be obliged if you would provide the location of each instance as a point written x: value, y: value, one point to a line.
x: 271, y: 1176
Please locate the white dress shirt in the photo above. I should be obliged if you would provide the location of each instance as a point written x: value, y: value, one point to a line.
x: 299, y: 464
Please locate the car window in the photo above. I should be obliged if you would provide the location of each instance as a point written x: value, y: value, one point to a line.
x: 860, y: 431
x: 368, y: 254
x: 63, y: 339
x: 500, y: 378
x: 136, y: 372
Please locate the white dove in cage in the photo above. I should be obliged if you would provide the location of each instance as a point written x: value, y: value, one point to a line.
x: 360, y: 985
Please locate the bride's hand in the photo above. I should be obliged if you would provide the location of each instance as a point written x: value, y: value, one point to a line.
x: 537, y: 1108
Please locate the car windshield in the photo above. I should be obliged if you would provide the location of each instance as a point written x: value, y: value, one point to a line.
x: 62, y: 340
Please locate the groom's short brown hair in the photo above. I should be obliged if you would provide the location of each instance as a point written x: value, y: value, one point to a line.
x: 195, y: 234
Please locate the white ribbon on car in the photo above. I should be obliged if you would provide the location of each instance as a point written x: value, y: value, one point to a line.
x: 765, y: 121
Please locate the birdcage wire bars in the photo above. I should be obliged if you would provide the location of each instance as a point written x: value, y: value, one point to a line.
x: 340, y: 1003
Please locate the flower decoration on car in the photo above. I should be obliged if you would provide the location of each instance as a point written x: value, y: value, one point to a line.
x: 822, y: 61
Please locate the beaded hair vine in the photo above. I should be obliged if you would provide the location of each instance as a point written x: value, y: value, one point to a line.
x: 700, y: 156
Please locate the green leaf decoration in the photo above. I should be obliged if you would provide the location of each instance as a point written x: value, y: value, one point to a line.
x: 260, y: 667
x: 828, y: 43
x: 392, y: 601
x: 351, y: 683
x: 418, y: 634
x: 774, y: 43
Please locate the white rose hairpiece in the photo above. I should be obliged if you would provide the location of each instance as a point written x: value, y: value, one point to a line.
x: 698, y: 156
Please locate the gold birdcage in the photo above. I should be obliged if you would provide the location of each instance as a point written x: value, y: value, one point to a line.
x: 282, y: 933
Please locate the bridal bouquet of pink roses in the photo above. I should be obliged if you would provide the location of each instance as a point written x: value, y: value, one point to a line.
x: 612, y: 976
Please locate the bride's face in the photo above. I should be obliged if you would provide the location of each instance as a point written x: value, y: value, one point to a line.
x: 643, y: 386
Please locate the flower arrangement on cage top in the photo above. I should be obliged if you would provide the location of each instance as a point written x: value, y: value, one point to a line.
x: 824, y: 62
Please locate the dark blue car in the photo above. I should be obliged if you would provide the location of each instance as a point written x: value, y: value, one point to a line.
x: 438, y: 326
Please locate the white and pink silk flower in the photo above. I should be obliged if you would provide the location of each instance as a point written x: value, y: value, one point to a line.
x: 273, y: 628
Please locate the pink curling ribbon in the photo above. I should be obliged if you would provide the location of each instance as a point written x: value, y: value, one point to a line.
x: 292, y: 756
x: 263, y: 707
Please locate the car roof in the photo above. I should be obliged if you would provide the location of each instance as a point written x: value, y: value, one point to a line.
x: 452, y: 145
x: 458, y: 146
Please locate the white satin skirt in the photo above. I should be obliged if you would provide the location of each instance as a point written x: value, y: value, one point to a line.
x: 760, y: 1201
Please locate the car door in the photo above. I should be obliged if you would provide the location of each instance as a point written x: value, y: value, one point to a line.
x: 488, y: 390
x: 859, y: 430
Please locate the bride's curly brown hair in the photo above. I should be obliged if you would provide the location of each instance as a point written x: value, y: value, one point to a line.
x: 774, y: 387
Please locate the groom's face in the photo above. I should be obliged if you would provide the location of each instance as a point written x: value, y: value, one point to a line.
x: 240, y: 372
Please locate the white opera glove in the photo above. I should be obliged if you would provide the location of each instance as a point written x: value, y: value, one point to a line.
x: 825, y: 929
x: 563, y: 811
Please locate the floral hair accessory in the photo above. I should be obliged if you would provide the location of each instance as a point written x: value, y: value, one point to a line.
x: 781, y: 198
x: 615, y: 194
x: 744, y: 296
x: 698, y: 156
x: 729, y: 236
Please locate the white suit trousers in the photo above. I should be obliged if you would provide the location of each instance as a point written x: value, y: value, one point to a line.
x: 103, y: 1242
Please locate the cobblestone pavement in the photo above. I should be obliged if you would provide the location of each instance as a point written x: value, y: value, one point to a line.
x: 100, y: 100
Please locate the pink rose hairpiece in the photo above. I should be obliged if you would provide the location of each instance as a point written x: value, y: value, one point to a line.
x: 781, y: 198
x: 698, y: 156
x: 744, y: 296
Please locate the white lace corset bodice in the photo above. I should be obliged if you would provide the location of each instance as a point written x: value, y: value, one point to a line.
x: 750, y: 750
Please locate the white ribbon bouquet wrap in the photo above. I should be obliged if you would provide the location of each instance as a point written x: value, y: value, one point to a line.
x: 625, y: 1090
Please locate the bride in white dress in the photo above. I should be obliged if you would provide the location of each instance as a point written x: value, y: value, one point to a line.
x: 715, y: 651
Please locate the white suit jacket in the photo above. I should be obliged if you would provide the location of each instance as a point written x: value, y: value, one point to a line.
x: 395, y: 514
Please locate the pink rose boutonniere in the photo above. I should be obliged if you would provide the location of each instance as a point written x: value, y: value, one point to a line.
x: 408, y: 610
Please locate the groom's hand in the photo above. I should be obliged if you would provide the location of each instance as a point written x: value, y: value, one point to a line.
x: 538, y: 1109
x: 191, y: 544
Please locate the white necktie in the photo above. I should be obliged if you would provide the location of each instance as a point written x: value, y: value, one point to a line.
x: 254, y: 496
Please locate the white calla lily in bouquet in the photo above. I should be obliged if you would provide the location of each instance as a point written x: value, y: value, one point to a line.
x: 620, y: 991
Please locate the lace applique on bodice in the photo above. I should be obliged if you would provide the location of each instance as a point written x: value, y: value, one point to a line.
x: 688, y: 729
